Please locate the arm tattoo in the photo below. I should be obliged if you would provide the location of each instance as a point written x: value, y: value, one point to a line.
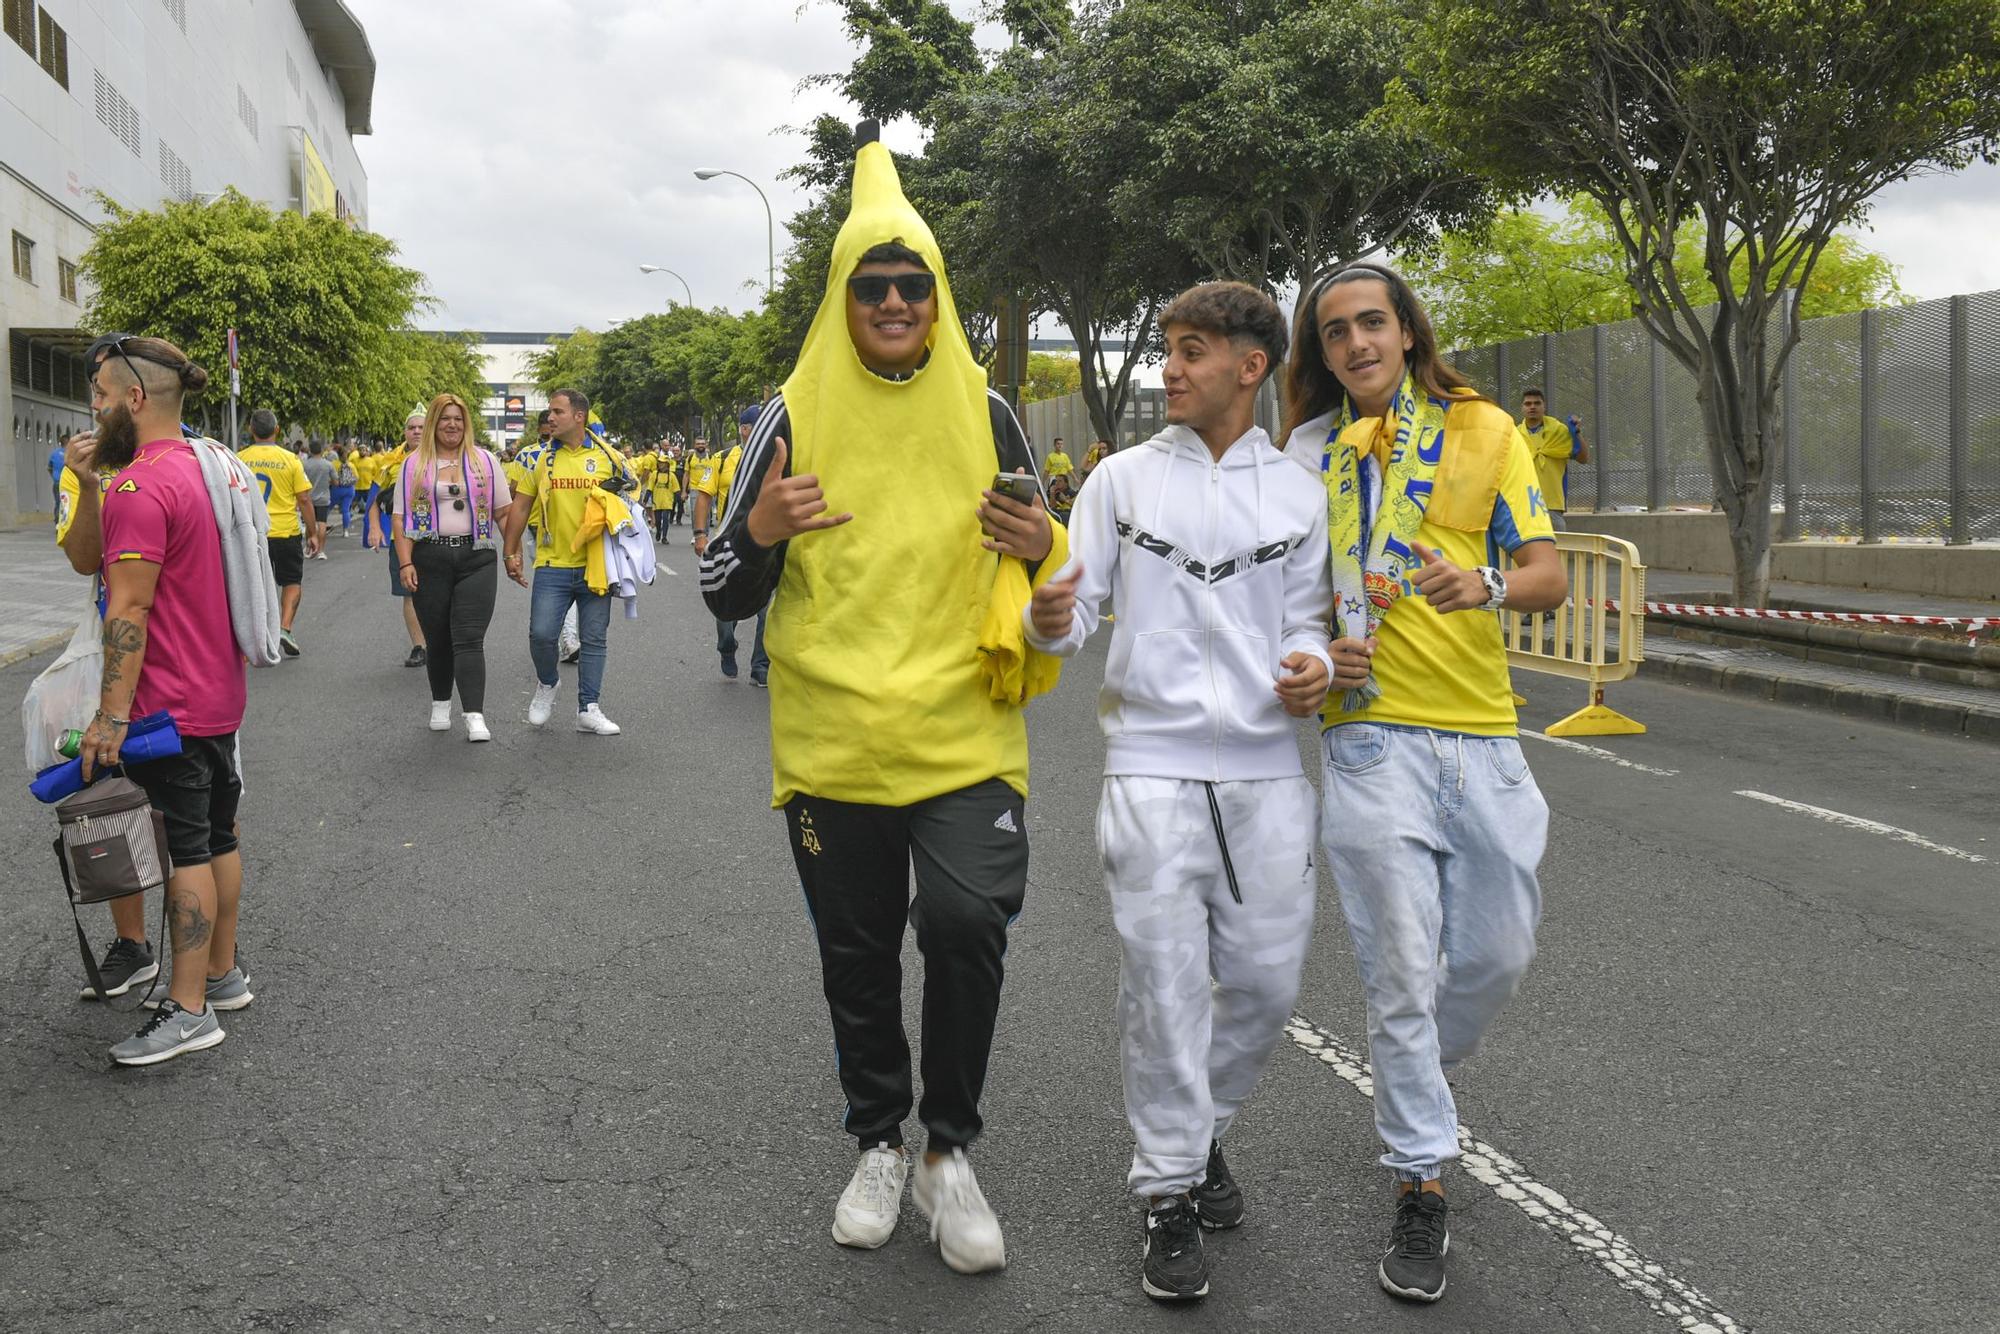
x: 122, y: 638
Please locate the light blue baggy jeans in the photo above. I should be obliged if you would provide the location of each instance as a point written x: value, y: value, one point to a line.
x: 1433, y: 839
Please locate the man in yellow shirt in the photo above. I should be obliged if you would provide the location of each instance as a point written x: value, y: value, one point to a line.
x: 1553, y: 445
x: 1428, y: 812
x: 296, y: 532
x: 554, y: 495
x: 1057, y: 463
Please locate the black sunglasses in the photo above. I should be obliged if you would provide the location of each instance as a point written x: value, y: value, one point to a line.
x: 105, y: 346
x: 872, y: 289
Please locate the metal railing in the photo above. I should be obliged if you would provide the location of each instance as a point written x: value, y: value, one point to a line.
x: 1584, y: 639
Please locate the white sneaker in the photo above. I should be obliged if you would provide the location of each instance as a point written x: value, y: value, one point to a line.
x: 475, y: 727
x: 867, y: 1211
x: 440, y: 715
x: 962, y: 1223
x: 592, y: 719
x: 542, y: 705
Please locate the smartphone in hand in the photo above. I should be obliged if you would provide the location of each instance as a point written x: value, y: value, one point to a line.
x: 1017, y: 486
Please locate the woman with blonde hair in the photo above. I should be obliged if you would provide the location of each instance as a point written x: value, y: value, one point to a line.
x: 450, y: 499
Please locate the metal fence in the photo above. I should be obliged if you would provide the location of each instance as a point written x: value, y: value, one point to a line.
x: 1889, y: 420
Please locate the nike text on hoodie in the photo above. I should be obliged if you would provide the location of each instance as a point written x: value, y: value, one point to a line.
x: 1218, y: 570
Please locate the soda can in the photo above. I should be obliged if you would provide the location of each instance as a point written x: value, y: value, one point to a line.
x: 69, y: 744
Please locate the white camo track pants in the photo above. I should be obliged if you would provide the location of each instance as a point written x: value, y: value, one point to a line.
x: 1207, y: 982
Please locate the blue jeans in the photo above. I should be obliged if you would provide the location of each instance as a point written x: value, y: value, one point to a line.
x: 725, y: 644
x: 1433, y: 839
x: 548, y: 602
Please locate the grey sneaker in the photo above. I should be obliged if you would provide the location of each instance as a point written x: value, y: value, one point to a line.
x: 125, y: 964
x: 231, y: 991
x: 170, y: 1032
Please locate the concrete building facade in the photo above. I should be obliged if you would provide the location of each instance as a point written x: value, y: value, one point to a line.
x: 149, y: 102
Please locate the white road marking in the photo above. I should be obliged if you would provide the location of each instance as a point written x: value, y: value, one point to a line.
x: 1667, y: 1296
x: 1617, y: 759
x: 666, y: 569
x: 1856, y: 822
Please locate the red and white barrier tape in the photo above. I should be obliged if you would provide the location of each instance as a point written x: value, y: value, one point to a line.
x: 1971, y: 625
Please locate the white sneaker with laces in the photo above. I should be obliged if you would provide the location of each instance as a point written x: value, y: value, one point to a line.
x: 962, y: 1223
x: 440, y: 715
x: 867, y: 1211
x: 592, y: 719
x: 475, y: 728
x: 542, y: 705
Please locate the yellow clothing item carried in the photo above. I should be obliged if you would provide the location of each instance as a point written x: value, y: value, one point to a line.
x: 603, y: 513
x: 558, y: 487
x: 68, y: 496
x: 1016, y: 673
x: 282, y: 479
x: 1449, y: 672
x: 1553, y: 447
x: 878, y: 692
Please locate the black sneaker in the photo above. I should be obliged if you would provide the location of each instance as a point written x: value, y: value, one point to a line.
x: 1218, y: 1201
x: 757, y: 679
x: 1413, y: 1267
x: 125, y: 963
x: 1174, y: 1268
x: 416, y: 658
x: 729, y: 665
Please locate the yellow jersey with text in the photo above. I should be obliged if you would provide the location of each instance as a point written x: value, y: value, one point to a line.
x: 1553, y: 447
x: 282, y: 479
x: 68, y: 494
x: 569, y: 473
x: 1448, y: 672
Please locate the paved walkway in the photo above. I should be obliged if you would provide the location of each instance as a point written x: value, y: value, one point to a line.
x: 41, y: 597
x: 1678, y: 586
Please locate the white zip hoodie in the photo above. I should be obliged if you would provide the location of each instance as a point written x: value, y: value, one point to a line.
x: 1217, y: 571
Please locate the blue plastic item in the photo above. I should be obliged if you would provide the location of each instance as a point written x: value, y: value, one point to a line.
x: 148, y: 738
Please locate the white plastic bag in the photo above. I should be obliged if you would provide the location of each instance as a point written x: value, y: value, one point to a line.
x: 65, y: 695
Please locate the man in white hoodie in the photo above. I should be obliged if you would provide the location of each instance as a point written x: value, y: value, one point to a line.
x: 1213, y: 545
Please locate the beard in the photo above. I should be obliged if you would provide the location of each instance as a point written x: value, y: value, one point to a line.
x: 117, y: 437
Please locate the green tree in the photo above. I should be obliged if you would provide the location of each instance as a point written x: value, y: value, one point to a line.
x: 1268, y: 150
x: 1050, y: 376
x: 318, y: 306
x: 1529, y: 273
x: 568, y: 362
x: 1772, y: 123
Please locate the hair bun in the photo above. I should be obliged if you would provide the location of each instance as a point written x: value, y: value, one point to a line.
x: 193, y: 378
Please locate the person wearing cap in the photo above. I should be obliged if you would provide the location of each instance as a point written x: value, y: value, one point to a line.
x: 897, y: 689
x: 712, y: 485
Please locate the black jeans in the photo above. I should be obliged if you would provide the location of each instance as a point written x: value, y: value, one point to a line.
x: 970, y: 850
x: 456, y: 587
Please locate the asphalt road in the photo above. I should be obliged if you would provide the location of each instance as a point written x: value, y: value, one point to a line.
x: 539, y: 1043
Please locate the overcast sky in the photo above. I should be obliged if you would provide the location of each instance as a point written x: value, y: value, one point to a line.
x: 529, y: 155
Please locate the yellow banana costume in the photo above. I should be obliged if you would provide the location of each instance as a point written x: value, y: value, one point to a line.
x: 880, y: 689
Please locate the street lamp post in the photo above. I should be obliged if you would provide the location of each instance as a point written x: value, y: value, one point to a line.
x: 661, y: 268
x: 770, y: 226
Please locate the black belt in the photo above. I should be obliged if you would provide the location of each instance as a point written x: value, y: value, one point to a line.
x: 450, y: 540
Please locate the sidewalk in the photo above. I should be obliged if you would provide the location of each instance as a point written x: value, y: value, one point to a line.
x: 40, y: 597
x: 1713, y: 589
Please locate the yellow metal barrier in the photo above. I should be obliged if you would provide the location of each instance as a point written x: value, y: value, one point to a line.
x: 1583, y: 638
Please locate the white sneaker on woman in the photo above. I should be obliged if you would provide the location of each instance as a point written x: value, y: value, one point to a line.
x: 475, y: 727
x: 440, y: 715
x: 867, y: 1211
x: 962, y: 1223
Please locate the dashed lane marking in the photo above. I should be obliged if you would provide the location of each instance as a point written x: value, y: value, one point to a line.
x: 1593, y: 751
x: 1857, y: 822
x: 1668, y: 1297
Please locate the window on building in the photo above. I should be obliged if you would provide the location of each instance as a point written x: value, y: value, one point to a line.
x: 24, y: 258
x: 178, y: 11
x: 19, y: 17
x: 66, y: 279
x: 55, y: 50
x: 246, y: 111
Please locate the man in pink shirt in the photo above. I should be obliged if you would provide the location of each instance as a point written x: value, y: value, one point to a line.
x: 169, y: 645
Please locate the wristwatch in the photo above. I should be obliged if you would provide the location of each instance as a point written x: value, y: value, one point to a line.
x: 1496, y: 587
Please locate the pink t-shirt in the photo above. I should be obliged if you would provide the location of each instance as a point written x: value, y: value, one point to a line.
x: 158, y: 510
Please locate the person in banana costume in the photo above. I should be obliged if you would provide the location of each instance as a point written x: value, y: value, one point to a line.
x: 865, y: 515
